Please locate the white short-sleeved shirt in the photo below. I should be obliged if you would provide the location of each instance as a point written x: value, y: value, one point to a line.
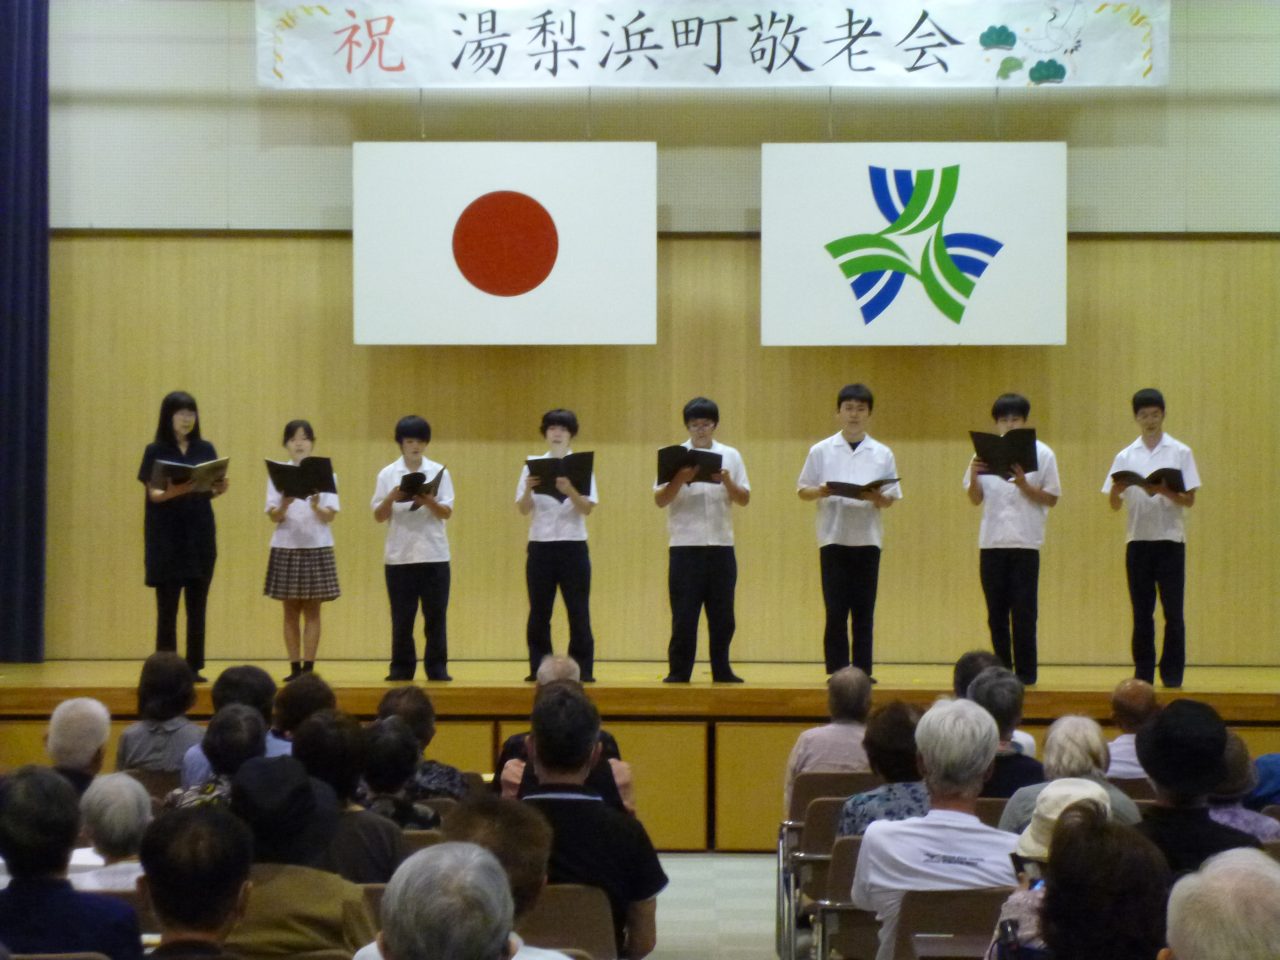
x: 701, y: 515
x: 301, y: 529
x: 1154, y: 517
x: 414, y: 536
x: 943, y: 850
x: 843, y: 520
x: 554, y: 519
x: 1011, y: 519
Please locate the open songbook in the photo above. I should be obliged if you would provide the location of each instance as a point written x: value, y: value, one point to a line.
x: 1171, y: 477
x: 1001, y: 453
x: 413, y: 484
x: 675, y: 458
x: 576, y: 466
x: 855, y: 491
x: 205, y: 475
x: 301, y: 480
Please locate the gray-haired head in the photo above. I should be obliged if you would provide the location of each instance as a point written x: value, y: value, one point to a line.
x: 78, y: 729
x: 116, y: 810
x: 999, y: 692
x: 849, y: 695
x: 957, y: 741
x: 451, y: 901
x: 1075, y: 747
x: 1229, y: 910
x: 556, y: 667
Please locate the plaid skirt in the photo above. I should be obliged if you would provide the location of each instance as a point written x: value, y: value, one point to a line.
x: 301, y: 574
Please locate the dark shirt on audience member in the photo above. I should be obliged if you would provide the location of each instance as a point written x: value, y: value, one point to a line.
x: 1011, y: 773
x: 190, y: 950
x: 594, y: 844
x: 600, y: 779
x: 1188, y: 837
x: 406, y: 814
x: 365, y: 848
x: 80, y: 779
x: 48, y: 916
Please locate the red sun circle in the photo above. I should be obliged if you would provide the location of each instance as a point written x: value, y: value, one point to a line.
x: 505, y: 243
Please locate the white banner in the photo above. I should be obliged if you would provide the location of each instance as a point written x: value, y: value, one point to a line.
x: 871, y: 244
x: 711, y: 43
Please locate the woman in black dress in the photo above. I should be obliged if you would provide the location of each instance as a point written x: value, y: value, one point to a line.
x: 181, y: 541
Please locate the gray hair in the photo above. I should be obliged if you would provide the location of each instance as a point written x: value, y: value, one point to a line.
x: 1075, y: 747
x: 999, y: 692
x: 1229, y: 910
x: 116, y: 810
x: 451, y: 901
x: 957, y: 741
x: 849, y: 695
x: 78, y: 729
x: 556, y: 667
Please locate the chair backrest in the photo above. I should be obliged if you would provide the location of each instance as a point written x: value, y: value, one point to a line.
x: 147, y: 921
x: 417, y: 840
x: 810, y: 786
x: 989, y: 810
x: 956, y: 912
x: 157, y: 782
x: 476, y: 783
x: 441, y: 805
x: 818, y: 836
x: 573, y: 954
x: 373, y: 900
x: 573, y: 916
x: 1137, y: 788
x: 844, y: 861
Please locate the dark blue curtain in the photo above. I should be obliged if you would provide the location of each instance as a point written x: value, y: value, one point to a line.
x: 24, y: 322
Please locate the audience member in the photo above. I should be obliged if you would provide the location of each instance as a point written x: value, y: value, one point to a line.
x: 294, y: 908
x: 998, y: 691
x: 297, y: 700
x: 1225, y: 802
x: 1073, y: 747
x: 196, y: 863
x: 1105, y: 889
x: 448, y: 902
x: 891, y: 750
x: 1267, y: 792
x: 1229, y: 910
x: 1133, y: 703
x: 837, y: 746
x: 431, y: 779
x: 251, y: 686
x: 115, y: 811
x: 39, y: 911
x: 366, y: 847
x: 610, y: 777
x: 77, y: 740
x: 163, y: 734
x: 236, y: 733
x: 592, y: 843
x: 948, y: 848
x: 392, y: 754
x: 967, y: 668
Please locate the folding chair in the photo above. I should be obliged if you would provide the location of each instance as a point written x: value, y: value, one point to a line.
x: 838, y: 925
x: 943, y: 913
x: 421, y: 839
x: 806, y: 866
x: 573, y: 916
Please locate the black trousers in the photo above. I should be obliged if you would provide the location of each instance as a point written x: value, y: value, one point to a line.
x: 167, y: 597
x: 850, y: 576
x: 1157, y: 565
x: 408, y: 585
x: 565, y: 564
x: 1011, y: 584
x: 700, y: 577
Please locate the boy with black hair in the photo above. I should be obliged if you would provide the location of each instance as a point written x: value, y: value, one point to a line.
x: 850, y: 530
x: 417, y: 553
x: 703, y: 570
x: 1156, y: 552
x: 1009, y: 539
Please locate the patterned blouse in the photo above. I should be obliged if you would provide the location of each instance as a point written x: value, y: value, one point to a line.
x: 892, y: 801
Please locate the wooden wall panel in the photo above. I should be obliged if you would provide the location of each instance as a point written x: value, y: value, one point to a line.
x: 258, y: 328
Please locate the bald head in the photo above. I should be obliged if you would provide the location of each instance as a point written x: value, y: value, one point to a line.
x: 1133, y: 702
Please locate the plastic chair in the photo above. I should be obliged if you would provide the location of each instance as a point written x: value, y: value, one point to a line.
x: 572, y: 916
x: 957, y: 913
x: 805, y: 870
x: 1137, y: 788
x: 421, y: 839
x: 839, y: 926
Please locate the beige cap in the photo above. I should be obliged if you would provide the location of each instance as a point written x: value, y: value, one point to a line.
x: 1056, y: 796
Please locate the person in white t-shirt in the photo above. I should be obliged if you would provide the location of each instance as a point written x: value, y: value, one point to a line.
x: 948, y: 848
x: 1014, y: 512
x: 301, y: 572
x: 416, y: 557
x: 1156, y: 552
x: 703, y: 570
x: 850, y: 530
x: 558, y: 555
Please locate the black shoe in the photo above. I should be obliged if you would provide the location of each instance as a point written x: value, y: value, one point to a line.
x: 729, y: 677
x: 291, y: 677
x: 588, y: 678
x: 672, y: 678
x: 200, y: 678
x: 398, y: 677
x: 531, y: 678
x: 439, y: 677
x: 872, y: 679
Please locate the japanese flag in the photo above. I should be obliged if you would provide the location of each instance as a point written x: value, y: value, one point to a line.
x: 505, y: 243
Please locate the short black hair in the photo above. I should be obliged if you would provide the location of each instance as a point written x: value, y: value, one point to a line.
x: 858, y: 392
x: 171, y: 404
x: 1147, y: 397
x: 1011, y: 405
x: 236, y: 733
x: 293, y: 426
x: 331, y: 744
x: 196, y: 860
x: 245, y: 684
x: 565, y: 726
x: 166, y: 686
x: 560, y: 417
x: 969, y: 666
x: 412, y: 705
x: 39, y: 821
x: 890, y: 742
x: 413, y: 427
x: 300, y: 698
x: 998, y: 691
x: 391, y: 755
x: 700, y: 408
